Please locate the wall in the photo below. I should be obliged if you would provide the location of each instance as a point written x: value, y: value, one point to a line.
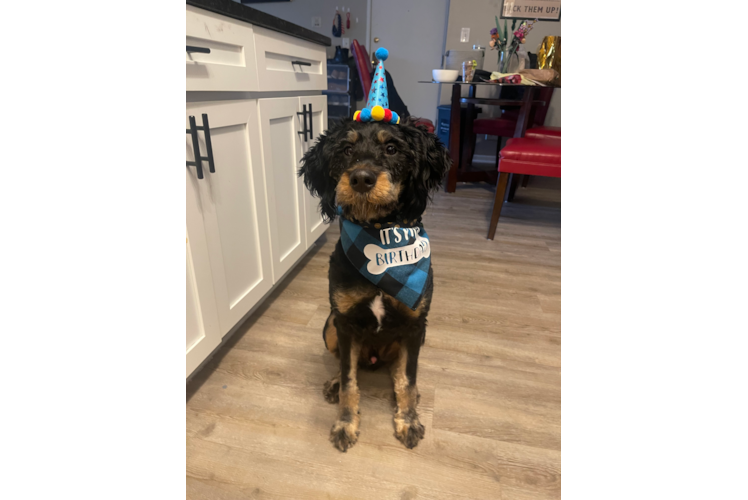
x: 301, y: 12
x: 478, y: 15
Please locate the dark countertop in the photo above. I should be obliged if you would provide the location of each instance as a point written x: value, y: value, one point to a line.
x: 255, y: 17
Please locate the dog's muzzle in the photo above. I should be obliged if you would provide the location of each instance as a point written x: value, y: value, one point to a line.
x: 363, y: 180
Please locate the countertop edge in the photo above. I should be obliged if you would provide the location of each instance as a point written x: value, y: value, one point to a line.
x: 255, y: 17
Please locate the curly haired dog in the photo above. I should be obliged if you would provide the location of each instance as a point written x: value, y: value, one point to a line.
x: 374, y: 173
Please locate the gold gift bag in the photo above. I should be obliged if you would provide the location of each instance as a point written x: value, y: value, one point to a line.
x: 549, y: 56
x: 549, y: 53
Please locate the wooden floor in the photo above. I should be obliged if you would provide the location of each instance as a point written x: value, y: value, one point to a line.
x: 489, y: 376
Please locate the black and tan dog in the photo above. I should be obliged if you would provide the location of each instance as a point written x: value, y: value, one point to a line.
x: 374, y: 172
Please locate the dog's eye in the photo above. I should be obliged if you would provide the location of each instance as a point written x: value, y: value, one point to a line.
x: 391, y: 150
x: 348, y: 151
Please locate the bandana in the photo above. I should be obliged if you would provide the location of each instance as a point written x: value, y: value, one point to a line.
x: 394, y: 256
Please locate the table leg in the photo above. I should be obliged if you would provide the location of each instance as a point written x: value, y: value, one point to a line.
x: 468, y: 146
x: 454, y: 139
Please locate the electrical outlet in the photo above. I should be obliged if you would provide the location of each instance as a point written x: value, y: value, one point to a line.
x: 465, y: 35
x: 316, y: 22
x: 346, y: 43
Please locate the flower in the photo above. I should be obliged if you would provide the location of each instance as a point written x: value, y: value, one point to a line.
x: 494, y: 31
x: 491, y: 43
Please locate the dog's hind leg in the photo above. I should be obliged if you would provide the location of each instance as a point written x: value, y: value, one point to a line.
x: 408, y: 428
x: 330, y: 335
x: 344, y: 432
x: 332, y: 390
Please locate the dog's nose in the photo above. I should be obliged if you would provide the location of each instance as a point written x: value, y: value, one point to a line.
x: 362, y: 180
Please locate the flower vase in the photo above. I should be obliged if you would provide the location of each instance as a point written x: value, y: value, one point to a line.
x: 505, y: 56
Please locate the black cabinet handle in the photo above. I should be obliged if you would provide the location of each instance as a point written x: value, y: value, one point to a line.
x: 305, y: 132
x: 195, y: 148
x: 311, y: 120
x: 203, y: 50
x: 300, y: 63
x: 198, y: 163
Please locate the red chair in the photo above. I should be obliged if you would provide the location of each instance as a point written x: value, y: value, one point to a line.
x: 527, y: 157
x: 505, y: 125
x: 543, y: 133
x: 363, y: 64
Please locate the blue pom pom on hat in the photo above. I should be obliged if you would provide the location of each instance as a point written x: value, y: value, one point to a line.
x: 378, y: 102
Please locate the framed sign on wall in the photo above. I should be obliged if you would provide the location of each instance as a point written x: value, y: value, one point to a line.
x: 542, y: 10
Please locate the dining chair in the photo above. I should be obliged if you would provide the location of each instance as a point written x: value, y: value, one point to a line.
x: 504, y: 125
x: 524, y: 156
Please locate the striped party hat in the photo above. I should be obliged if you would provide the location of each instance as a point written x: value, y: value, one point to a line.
x: 377, y: 106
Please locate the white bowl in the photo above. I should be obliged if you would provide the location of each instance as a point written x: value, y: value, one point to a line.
x: 444, y: 75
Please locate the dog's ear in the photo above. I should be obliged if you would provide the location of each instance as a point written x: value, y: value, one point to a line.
x: 432, y: 164
x: 315, y: 168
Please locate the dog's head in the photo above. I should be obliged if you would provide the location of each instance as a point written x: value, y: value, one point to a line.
x: 375, y: 169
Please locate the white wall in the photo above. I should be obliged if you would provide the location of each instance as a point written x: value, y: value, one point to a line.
x: 478, y: 15
x: 301, y: 12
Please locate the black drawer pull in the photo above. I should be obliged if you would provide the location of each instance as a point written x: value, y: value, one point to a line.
x: 311, y: 120
x: 203, y: 50
x: 198, y: 163
x: 301, y: 63
x: 305, y: 132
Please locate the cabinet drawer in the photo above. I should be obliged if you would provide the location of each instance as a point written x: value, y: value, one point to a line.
x: 276, y: 53
x: 230, y: 65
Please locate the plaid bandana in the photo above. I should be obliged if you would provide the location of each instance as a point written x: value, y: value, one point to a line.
x: 395, y: 257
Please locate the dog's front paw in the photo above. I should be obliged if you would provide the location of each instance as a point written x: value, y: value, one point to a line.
x: 408, y: 430
x: 344, y: 434
x: 332, y: 391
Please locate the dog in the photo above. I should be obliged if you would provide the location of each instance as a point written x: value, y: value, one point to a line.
x: 375, y: 175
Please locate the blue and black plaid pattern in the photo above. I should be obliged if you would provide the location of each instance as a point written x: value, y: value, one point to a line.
x: 405, y: 282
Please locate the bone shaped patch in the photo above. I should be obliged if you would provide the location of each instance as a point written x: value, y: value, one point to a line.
x: 380, y: 259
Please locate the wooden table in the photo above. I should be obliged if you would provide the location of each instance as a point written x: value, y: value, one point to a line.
x: 457, y: 172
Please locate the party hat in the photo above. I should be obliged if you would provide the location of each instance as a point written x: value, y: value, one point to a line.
x: 377, y: 106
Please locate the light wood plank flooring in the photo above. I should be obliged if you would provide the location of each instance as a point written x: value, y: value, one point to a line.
x: 489, y: 376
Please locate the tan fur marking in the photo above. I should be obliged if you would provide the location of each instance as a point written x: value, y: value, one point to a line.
x: 408, y: 428
x: 383, y: 136
x: 402, y: 308
x: 375, y: 204
x: 331, y: 336
x: 353, y: 136
x: 346, y: 299
x: 400, y: 379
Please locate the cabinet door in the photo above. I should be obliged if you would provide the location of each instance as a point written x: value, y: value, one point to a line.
x: 203, y: 330
x: 233, y: 207
x: 281, y: 148
x: 315, y: 226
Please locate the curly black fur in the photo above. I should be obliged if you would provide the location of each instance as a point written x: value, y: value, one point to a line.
x: 420, y: 164
x: 413, y: 163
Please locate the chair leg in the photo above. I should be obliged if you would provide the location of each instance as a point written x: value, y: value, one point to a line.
x: 525, y: 180
x: 498, y: 202
x: 513, y: 183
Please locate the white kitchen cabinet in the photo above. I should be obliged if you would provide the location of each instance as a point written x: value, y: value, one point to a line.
x: 314, y: 225
x: 230, y: 64
x: 232, y: 207
x: 286, y: 63
x: 281, y: 152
